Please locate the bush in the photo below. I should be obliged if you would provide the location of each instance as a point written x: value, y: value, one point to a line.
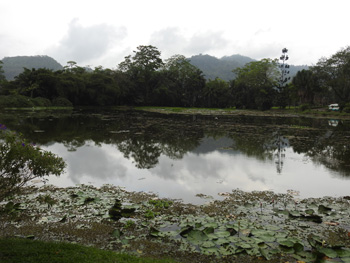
x: 15, y: 101
x: 41, y: 102
x: 304, y: 107
x: 347, y: 108
x: 61, y: 102
x: 21, y: 162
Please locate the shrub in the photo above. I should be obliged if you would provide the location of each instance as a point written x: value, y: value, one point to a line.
x: 15, y: 101
x: 304, y: 107
x: 41, y: 102
x: 21, y: 162
x: 61, y: 102
x: 347, y: 108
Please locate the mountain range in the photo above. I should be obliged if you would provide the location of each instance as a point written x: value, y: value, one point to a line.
x: 222, y: 68
x: 211, y: 66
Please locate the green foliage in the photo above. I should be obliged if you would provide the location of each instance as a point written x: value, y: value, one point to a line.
x: 304, y: 107
x: 347, y: 108
x: 61, y: 102
x: 15, y: 101
x: 160, y: 203
x: 333, y: 74
x: 13, y: 66
x: 254, y: 86
x: 149, y: 214
x: 22, y: 162
x: 41, y: 102
x: 217, y: 93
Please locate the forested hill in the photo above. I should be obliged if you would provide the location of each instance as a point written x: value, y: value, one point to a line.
x: 213, y: 67
x: 14, y: 65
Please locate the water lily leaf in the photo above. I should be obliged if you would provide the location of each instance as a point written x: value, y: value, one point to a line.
x: 267, y: 238
x: 262, y: 232
x: 314, y: 241
x: 211, y: 225
x: 243, y: 245
x: 281, y: 234
x: 221, y: 241
x: 343, y: 253
x: 259, y: 240
x: 265, y: 253
x: 212, y: 236
x: 64, y: 219
x: 185, y: 230
x: 298, y: 247
x: 117, y: 233
x: 222, y: 234
x: 323, y: 209
x: 285, y: 243
x: 196, y: 236
x: 328, y: 252
x: 208, y: 244
x: 309, y: 211
x: 171, y: 233
x: 208, y: 230
x: 154, y: 232
x: 210, y: 251
x: 294, y: 213
x: 229, y: 250
x: 272, y: 227
x: 234, y: 239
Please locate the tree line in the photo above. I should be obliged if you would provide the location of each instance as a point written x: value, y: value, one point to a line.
x: 144, y: 79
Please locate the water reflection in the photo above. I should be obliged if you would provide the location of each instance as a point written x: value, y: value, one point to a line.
x: 181, y: 156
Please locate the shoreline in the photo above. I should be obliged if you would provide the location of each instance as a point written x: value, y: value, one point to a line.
x: 251, y: 225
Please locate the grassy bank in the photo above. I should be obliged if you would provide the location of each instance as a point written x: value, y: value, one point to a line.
x: 21, y: 250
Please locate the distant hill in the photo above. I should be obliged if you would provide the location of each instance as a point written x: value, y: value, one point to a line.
x: 13, y: 66
x: 213, y: 67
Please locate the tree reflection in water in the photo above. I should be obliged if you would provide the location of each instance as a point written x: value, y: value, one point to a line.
x: 144, y: 137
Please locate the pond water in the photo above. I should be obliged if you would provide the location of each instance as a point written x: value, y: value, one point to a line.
x: 181, y: 157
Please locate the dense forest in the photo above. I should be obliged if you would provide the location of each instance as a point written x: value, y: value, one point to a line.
x: 143, y: 78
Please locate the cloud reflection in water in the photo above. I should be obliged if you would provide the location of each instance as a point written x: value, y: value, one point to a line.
x: 207, y: 173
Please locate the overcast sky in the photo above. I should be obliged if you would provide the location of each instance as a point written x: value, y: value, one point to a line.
x: 103, y: 32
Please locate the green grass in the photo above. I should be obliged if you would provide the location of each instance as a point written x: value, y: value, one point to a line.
x: 41, y: 108
x: 19, y: 250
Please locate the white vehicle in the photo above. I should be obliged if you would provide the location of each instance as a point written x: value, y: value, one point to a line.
x: 333, y: 107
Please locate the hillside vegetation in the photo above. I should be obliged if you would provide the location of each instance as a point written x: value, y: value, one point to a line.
x: 222, y: 68
x: 13, y: 66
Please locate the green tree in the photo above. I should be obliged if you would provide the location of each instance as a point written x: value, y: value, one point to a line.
x: 101, y: 87
x: 21, y: 162
x: 185, y: 81
x: 2, y: 77
x: 306, y: 85
x: 333, y: 74
x: 142, y: 69
x: 217, y: 93
x: 256, y: 83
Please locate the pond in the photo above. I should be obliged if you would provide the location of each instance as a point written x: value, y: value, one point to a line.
x: 193, y: 157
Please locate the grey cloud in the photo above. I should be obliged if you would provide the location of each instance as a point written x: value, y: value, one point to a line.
x: 82, y: 44
x: 204, y: 42
x: 170, y: 41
